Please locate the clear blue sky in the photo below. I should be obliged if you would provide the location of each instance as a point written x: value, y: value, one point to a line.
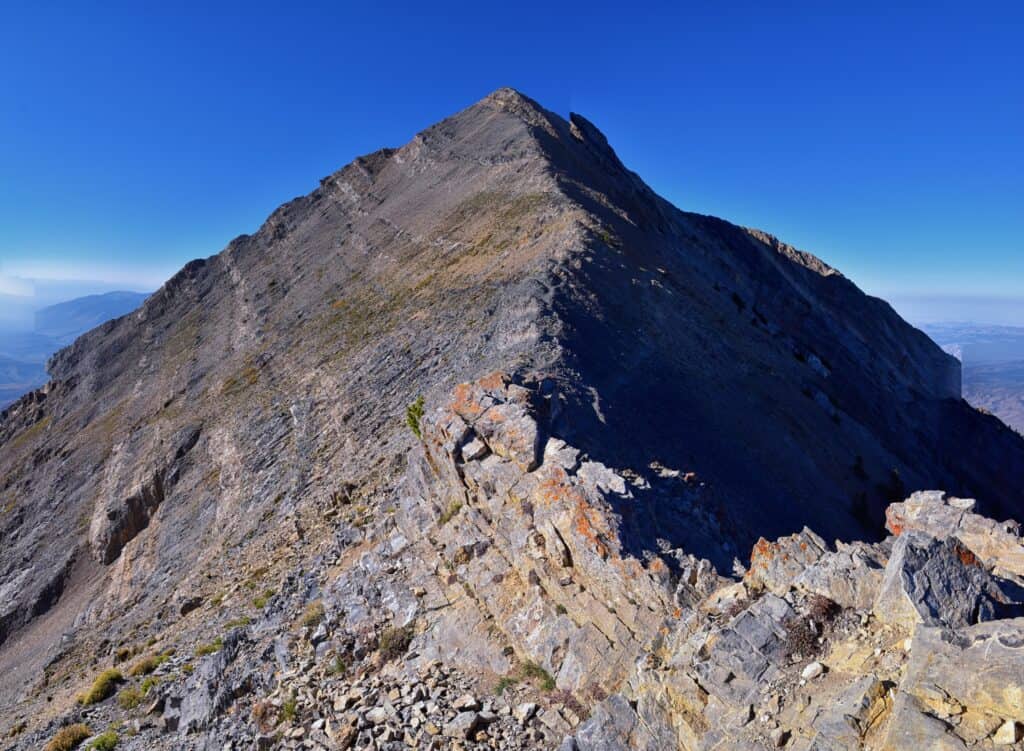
x: 888, y: 142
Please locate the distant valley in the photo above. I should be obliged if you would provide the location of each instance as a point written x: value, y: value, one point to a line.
x: 23, y: 354
x: 993, y: 366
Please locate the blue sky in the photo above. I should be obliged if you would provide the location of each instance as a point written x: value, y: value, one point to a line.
x: 887, y: 141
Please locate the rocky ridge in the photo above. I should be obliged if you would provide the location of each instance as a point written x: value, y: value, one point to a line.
x: 266, y: 500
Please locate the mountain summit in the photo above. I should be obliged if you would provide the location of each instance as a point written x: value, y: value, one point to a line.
x: 245, y: 435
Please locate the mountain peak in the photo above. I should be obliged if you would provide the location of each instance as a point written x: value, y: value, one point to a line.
x: 649, y: 391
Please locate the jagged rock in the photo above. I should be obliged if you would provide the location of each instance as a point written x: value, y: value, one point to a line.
x: 974, y: 674
x: 935, y: 582
x: 775, y: 565
x: 850, y: 576
x: 997, y: 544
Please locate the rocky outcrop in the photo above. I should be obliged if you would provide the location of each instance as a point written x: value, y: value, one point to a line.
x: 648, y: 395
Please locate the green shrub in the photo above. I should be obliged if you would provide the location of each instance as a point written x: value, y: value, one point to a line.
x: 261, y: 600
x: 148, y: 684
x: 103, y: 687
x: 104, y: 742
x: 394, y: 642
x: 453, y: 508
x: 68, y: 738
x: 239, y: 622
x: 129, y: 698
x: 187, y: 668
x: 533, y: 671
x: 145, y: 666
x: 313, y: 614
x: 208, y: 649
x: 289, y: 709
x: 339, y: 666
x: 413, y: 415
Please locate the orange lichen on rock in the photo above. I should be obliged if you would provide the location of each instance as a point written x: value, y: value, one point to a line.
x: 762, y: 553
x: 966, y: 557
x: 893, y: 522
x: 464, y: 402
x: 589, y: 524
x: 494, y: 381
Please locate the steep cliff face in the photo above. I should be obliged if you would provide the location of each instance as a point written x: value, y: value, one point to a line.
x: 244, y: 432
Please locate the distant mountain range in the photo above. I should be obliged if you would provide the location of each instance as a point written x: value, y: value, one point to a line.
x: 993, y: 366
x: 23, y: 354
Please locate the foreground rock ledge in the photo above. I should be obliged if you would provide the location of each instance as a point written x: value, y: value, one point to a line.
x: 512, y: 564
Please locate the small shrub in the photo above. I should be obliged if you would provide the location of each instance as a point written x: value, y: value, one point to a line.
x: 187, y: 668
x: 68, y: 738
x: 145, y: 666
x: 122, y: 654
x: 394, y: 642
x: 413, y: 415
x: 533, y: 671
x: 504, y: 683
x: 453, y: 508
x: 339, y: 666
x: 103, y: 687
x: 261, y: 600
x: 129, y: 698
x: 104, y: 742
x: 239, y: 622
x: 800, y: 638
x: 821, y: 609
x: 148, y: 684
x: 289, y: 709
x: 265, y: 715
x: 313, y: 614
x: 208, y: 649
x: 560, y: 609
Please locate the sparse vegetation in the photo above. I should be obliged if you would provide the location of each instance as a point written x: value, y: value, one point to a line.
x: 265, y: 715
x: 209, y: 648
x: 122, y: 654
x: 394, y: 642
x: 238, y: 622
x: 289, y: 709
x: 261, y: 600
x: 187, y: 668
x: 800, y: 638
x: 312, y: 615
x: 413, y: 415
x: 504, y: 683
x: 68, y: 738
x: 821, y: 609
x: 102, y: 688
x: 531, y: 671
x: 104, y: 742
x: 148, y: 684
x: 145, y: 666
x: 129, y: 698
x: 339, y: 665
x: 449, y: 513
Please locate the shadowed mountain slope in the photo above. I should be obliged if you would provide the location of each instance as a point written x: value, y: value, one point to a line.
x: 178, y: 444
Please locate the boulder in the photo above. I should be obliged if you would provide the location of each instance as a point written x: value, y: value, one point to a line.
x: 935, y: 582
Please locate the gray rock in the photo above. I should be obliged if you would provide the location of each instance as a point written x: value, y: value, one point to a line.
x: 935, y: 582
